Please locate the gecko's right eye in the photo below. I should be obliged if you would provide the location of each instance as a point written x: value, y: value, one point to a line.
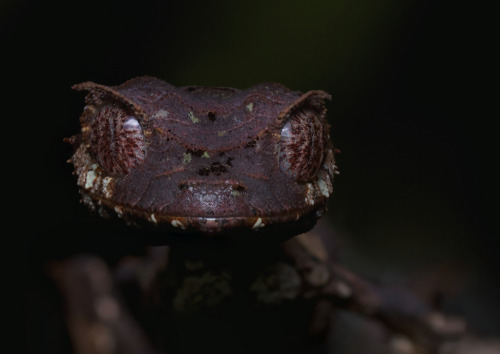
x: 116, y: 139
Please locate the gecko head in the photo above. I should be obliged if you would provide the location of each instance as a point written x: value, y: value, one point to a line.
x: 203, y: 160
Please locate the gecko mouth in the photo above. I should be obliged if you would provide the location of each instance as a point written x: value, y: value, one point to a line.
x: 226, y: 207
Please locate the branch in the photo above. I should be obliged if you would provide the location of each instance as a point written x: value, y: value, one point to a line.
x: 397, y: 307
x: 98, y: 322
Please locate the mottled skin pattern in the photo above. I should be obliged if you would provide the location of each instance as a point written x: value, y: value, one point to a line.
x: 201, y: 160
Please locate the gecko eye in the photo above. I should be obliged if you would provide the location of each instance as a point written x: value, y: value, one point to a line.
x: 116, y: 140
x: 302, y: 145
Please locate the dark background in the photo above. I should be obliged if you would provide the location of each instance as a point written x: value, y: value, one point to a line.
x: 409, y: 81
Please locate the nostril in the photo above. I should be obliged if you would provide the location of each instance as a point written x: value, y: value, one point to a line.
x: 215, y: 168
x: 239, y: 188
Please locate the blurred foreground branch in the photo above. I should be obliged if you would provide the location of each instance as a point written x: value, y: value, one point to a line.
x: 100, y: 321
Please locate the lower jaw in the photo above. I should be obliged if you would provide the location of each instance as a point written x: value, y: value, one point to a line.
x: 162, y: 226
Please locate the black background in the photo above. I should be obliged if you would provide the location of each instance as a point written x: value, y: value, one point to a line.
x: 410, y: 85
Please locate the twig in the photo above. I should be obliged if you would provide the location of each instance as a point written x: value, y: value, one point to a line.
x: 397, y: 307
x: 98, y: 322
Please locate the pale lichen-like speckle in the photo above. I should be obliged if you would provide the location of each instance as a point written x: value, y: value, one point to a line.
x: 206, y: 155
x: 329, y: 184
x: 323, y: 188
x: 258, y: 224
x: 160, y: 114
x: 329, y: 164
x: 250, y: 107
x: 106, y: 191
x: 118, y: 211
x: 235, y: 193
x: 193, y: 118
x: 90, y: 179
x: 178, y: 223
x: 187, y: 158
x: 88, y: 201
x: 309, y: 198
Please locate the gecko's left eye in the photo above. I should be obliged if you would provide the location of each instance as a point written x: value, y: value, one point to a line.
x: 302, y: 145
x: 116, y: 139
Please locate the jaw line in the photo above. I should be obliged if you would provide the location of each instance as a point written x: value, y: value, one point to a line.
x: 204, y: 224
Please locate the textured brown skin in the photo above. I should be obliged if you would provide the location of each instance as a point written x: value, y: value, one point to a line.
x: 211, y: 161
